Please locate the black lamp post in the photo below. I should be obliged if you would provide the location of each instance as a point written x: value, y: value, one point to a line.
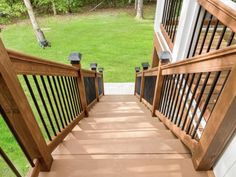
x: 145, y: 65
x: 137, y: 69
x: 93, y: 66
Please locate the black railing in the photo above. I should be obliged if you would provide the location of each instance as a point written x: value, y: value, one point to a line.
x: 55, y: 101
x: 90, y: 89
x: 149, y: 88
x: 188, y: 99
x: 138, y: 85
x: 170, y: 19
x: 209, y: 34
x: 100, y: 85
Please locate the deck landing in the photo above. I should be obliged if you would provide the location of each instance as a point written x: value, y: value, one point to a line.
x: 121, y: 139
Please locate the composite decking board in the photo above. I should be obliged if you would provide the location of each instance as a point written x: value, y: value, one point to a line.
x: 116, y: 140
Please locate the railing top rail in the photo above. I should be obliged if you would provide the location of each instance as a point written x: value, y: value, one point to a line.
x: 149, y: 72
x: 222, y: 59
x: 223, y: 12
x: 89, y: 73
x: 27, y: 64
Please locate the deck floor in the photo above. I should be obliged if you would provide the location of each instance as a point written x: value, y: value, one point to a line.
x: 121, y: 139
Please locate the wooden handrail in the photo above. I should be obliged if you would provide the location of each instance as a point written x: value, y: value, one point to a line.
x: 26, y: 64
x: 223, y: 59
x: 220, y: 10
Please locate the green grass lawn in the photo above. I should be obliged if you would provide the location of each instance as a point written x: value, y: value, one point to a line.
x: 112, y: 38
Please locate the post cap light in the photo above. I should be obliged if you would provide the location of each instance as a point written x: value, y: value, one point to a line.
x: 75, y: 57
x: 101, y: 70
x: 93, y: 66
x: 164, y: 56
x: 145, y: 65
x: 137, y: 69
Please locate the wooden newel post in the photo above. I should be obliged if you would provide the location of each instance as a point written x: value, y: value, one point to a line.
x: 75, y: 59
x: 142, y: 86
x: 163, y: 59
x: 96, y: 87
x: 18, y: 114
x: 100, y: 70
x: 137, y: 69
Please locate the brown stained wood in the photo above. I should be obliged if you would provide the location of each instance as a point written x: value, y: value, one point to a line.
x: 167, y: 38
x: 142, y: 87
x: 61, y: 135
x: 34, y: 172
x: 151, y: 72
x: 91, y: 104
x: 219, y: 60
x: 185, y: 138
x: 88, y: 73
x: 148, y: 105
x: 80, y: 81
x: 220, y: 127
x: 15, y: 105
x: 157, y: 93
x: 26, y: 64
x: 135, y: 83
x: 221, y: 11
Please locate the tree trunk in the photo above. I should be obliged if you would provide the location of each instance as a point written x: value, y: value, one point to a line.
x: 130, y: 1
x: 39, y: 34
x: 54, y: 8
x: 139, y: 14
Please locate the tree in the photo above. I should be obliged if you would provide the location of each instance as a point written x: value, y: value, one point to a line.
x: 139, y: 14
x: 38, y: 32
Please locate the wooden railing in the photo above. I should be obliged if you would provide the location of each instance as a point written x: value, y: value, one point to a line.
x: 211, y: 32
x: 170, y: 20
x: 42, y: 101
x: 195, y: 99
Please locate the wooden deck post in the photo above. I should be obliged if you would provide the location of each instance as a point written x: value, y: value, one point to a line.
x: 135, y: 83
x: 142, y: 86
x: 18, y: 114
x: 80, y: 81
x: 96, y: 87
x: 219, y: 129
x: 157, y: 93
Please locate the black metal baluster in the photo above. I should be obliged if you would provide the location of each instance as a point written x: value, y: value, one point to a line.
x: 198, y: 101
x: 194, y: 31
x: 178, y: 95
x: 69, y: 99
x: 205, y: 35
x: 164, y: 11
x: 64, y: 101
x: 173, y: 18
x: 231, y: 38
x: 71, y: 87
x: 191, y: 101
x: 59, y: 98
x: 177, y: 20
x: 167, y: 94
x: 221, y: 37
x: 199, y: 33
x: 50, y: 102
x: 181, y: 99
x: 9, y: 163
x: 37, y: 106
x: 167, y: 13
x: 186, y: 98
x: 55, y: 101
x: 162, y: 93
x: 212, y: 36
x: 206, y: 102
x: 44, y: 104
x: 172, y: 96
x: 2, y: 112
x: 78, y: 93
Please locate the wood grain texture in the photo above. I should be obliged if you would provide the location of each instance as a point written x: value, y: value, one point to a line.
x: 15, y: 105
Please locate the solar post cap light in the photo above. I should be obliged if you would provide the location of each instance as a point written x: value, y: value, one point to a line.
x: 101, y: 70
x: 164, y: 56
x: 75, y: 58
x: 137, y: 69
x: 93, y: 66
x: 145, y: 65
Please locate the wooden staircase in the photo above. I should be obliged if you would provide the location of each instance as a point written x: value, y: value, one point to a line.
x: 120, y: 138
